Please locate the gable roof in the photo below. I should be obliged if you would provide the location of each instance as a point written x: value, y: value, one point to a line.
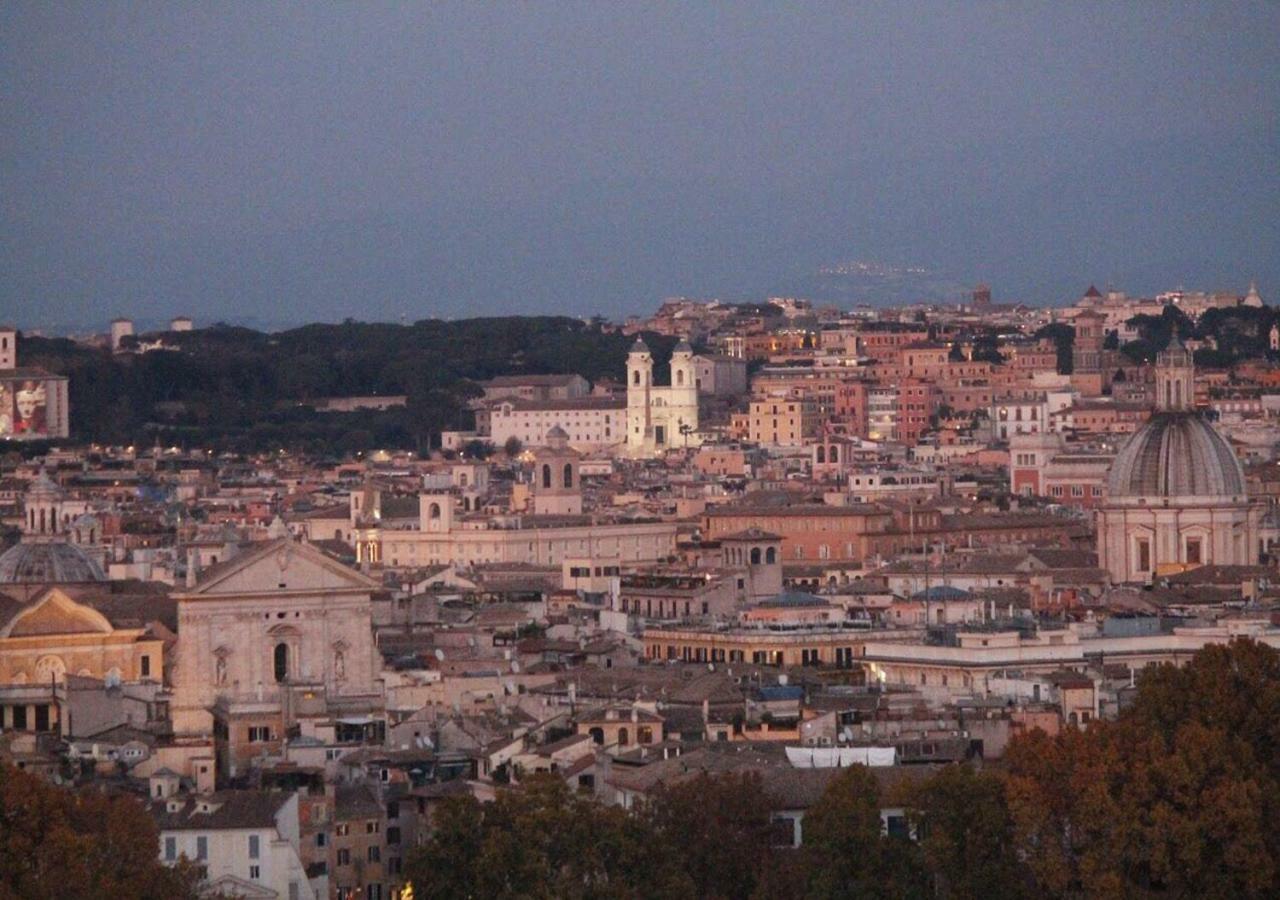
x: 264, y: 567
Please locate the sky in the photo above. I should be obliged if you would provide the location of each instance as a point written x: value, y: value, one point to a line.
x: 289, y: 163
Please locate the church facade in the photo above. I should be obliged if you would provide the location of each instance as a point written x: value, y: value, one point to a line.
x: 661, y: 417
x: 268, y: 639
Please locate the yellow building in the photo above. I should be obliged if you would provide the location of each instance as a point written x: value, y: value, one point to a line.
x: 44, y: 640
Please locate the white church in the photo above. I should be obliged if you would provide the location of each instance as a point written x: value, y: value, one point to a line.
x: 665, y: 417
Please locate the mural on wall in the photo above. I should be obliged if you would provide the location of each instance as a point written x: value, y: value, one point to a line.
x: 31, y: 406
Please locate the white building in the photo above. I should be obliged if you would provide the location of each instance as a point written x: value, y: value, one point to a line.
x: 661, y: 417
x: 590, y: 422
x: 246, y: 843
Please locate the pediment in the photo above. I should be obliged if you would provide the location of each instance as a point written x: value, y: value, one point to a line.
x: 231, y: 886
x: 280, y: 565
x: 54, y: 612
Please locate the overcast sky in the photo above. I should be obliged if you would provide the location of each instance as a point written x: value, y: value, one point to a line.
x: 289, y: 163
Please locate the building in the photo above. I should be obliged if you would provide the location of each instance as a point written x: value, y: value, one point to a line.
x: 245, y: 843
x: 557, y: 490
x: 1176, y: 493
x: 589, y: 422
x: 278, y: 634
x: 443, y: 539
x: 536, y: 387
x: 666, y: 417
x: 120, y: 329
x: 789, y: 420
x: 33, y: 403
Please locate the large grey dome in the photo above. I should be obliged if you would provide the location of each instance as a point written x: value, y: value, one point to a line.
x: 47, y: 562
x: 1176, y: 454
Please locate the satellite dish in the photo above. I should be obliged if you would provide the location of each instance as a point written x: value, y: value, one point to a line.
x: 515, y: 667
x: 439, y: 654
x: 782, y: 680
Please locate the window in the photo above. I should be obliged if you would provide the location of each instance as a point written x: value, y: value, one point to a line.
x: 281, y: 661
x: 1193, y: 551
x: 259, y: 734
x: 568, y: 475
x: 372, y: 827
x: 146, y: 667
x: 254, y: 846
x: 344, y: 856
x: 202, y: 847
x: 322, y: 839
x: 393, y: 835
x: 343, y: 830
x: 170, y: 848
x: 255, y: 873
x: 375, y: 854
x: 1144, y: 556
x: 393, y: 810
x: 546, y: 475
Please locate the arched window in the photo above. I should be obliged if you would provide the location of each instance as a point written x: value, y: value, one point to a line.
x: 281, y: 661
x: 834, y: 455
x: 597, y: 735
x: 770, y: 556
x: 635, y: 377
x: 822, y: 454
x: 623, y: 737
x: 679, y: 377
x: 755, y: 556
x: 434, y: 511
x: 546, y: 475
x: 568, y: 475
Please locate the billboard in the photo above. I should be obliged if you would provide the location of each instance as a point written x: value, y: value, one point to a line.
x: 31, y: 408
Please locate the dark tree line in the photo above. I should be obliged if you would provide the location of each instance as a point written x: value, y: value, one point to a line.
x: 1177, y: 798
x: 234, y: 388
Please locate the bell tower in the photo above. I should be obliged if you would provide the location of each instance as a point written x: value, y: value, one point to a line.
x: 639, y: 387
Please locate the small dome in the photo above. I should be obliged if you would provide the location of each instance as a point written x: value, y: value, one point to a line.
x: 1176, y: 454
x: 639, y: 346
x: 683, y: 347
x: 48, y: 562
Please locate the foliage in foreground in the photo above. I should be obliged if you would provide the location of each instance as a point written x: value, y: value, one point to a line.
x: 79, y: 845
x: 1177, y: 798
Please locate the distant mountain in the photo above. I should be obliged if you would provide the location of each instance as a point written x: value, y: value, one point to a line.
x: 861, y: 282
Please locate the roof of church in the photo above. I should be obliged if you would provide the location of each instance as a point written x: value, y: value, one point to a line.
x: 48, y: 562
x: 1176, y: 454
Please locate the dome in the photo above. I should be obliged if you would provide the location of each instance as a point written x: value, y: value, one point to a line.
x: 1176, y: 454
x: 683, y: 347
x: 47, y: 562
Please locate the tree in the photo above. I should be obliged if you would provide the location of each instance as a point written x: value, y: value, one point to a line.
x: 512, y: 447
x: 58, y: 842
x: 846, y: 854
x: 719, y: 830
x: 966, y: 834
x: 1175, y: 797
x: 541, y: 840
